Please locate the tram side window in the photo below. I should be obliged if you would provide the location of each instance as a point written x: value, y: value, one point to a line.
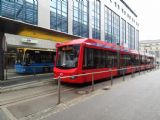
x: 126, y: 60
x: 99, y: 61
x: 104, y: 57
x: 109, y: 60
x: 132, y: 60
x: 143, y: 60
x: 122, y: 61
x: 115, y: 59
x: 136, y: 60
x: 88, y: 61
x: 94, y: 58
x: 112, y: 59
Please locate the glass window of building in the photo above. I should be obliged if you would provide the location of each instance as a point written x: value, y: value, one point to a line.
x: 59, y: 15
x: 31, y: 11
x: 115, y: 28
x: 96, y: 19
x: 127, y: 34
x: 22, y: 10
x: 130, y: 36
x: 133, y: 37
x: 123, y: 32
x: 80, y: 18
x: 108, y: 24
x: 112, y: 26
x: 137, y: 39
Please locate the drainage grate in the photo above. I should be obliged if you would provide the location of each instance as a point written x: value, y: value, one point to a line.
x: 106, y: 88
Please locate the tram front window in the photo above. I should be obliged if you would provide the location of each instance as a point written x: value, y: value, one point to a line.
x: 68, y: 57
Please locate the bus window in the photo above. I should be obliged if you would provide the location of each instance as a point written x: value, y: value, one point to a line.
x: 32, y: 56
x: 20, y: 55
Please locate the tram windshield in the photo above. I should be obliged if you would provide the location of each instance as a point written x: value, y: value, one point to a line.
x: 68, y: 57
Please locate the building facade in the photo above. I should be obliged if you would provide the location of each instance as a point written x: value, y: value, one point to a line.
x: 108, y: 20
x: 43, y: 23
x: 152, y: 47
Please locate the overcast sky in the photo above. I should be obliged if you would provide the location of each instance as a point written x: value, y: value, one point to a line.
x: 149, y: 17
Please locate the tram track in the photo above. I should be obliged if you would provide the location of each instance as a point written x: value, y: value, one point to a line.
x: 17, y: 100
x: 15, y: 76
x: 51, y: 91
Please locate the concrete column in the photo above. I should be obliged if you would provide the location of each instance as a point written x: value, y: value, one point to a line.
x: 1, y: 56
x: 102, y: 21
x: 70, y: 17
x: 90, y: 17
x: 44, y: 13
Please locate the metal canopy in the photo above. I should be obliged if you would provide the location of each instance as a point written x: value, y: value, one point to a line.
x: 14, y: 27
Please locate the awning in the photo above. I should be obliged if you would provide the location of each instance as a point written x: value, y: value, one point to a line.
x: 16, y: 41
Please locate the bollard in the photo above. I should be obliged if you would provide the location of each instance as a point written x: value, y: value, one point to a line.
x: 59, y: 90
x: 132, y: 73
x: 124, y: 74
x: 34, y: 71
x: 6, y: 73
x: 139, y: 70
x: 111, y: 77
x: 92, y: 81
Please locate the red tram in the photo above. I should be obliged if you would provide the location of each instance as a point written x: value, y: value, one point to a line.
x: 82, y: 56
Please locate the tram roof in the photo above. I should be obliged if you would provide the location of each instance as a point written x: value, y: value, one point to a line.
x: 87, y: 40
x: 95, y: 42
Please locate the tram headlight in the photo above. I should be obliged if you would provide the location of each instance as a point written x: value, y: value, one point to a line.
x: 73, y: 77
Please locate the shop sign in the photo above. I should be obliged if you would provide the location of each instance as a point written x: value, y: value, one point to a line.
x: 29, y: 40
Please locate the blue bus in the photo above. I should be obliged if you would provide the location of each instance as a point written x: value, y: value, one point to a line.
x: 31, y: 61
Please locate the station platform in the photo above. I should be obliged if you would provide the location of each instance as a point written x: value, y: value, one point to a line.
x: 136, y: 98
